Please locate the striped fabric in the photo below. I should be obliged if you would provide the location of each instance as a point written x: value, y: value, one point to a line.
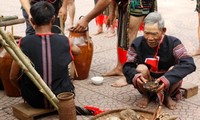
x: 198, y: 6
x: 143, y: 7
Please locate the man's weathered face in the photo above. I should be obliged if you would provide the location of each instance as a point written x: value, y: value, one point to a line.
x: 153, y: 34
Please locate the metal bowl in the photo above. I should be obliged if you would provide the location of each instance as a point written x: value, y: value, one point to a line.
x: 151, y: 86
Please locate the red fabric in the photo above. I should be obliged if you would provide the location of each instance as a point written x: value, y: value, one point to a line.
x: 105, y: 19
x: 141, y: 28
x: 19, y: 43
x: 94, y: 109
x: 100, y: 19
x: 71, y: 48
x: 153, y: 62
x: 121, y: 55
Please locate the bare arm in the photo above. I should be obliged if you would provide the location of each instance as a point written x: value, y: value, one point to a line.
x: 26, y: 5
x: 99, y: 8
x: 63, y: 10
x: 112, y: 14
x: 14, y: 74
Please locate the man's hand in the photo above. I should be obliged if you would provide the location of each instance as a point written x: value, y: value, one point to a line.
x: 141, y: 80
x: 63, y: 12
x: 110, y: 20
x: 161, y: 87
x: 29, y: 18
x: 81, y: 25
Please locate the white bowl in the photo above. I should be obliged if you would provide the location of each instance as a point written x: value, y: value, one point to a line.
x: 97, y: 80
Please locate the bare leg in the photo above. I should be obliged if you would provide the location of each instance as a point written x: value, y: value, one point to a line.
x: 134, y: 25
x: 144, y: 101
x: 197, y: 52
x: 168, y: 101
x: 71, y: 8
x: 117, y: 71
x: 132, y: 33
x: 99, y: 22
x: 120, y: 82
x: 111, y: 32
x: 99, y: 30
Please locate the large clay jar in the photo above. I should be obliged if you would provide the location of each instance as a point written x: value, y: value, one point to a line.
x: 66, y: 106
x: 83, y: 60
x: 5, y: 66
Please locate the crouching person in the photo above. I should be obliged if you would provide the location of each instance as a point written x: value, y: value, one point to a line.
x: 50, y: 55
x: 160, y: 58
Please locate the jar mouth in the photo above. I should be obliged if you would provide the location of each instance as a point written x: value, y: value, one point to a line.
x: 65, y: 96
x: 71, y: 29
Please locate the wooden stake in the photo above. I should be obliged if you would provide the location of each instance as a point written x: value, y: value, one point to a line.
x: 61, y: 24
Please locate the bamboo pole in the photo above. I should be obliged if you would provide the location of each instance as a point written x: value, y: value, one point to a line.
x: 12, y: 22
x: 36, y: 77
x: 61, y: 24
x: 7, y: 18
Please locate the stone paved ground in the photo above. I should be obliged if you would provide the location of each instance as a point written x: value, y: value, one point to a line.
x: 181, y: 21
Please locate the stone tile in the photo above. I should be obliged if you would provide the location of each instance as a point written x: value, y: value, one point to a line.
x: 181, y: 21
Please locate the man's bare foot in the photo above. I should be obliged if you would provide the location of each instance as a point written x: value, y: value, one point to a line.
x: 99, y: 31
x: 114, y: 72
x: 197, y: 52
x: 70, y: 25
x: 171, y: 104
x: 143, y: 102
x: 120, y: 82
x: 110, y: 35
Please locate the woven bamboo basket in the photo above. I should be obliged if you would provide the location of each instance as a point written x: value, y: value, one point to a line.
x: 146, y: 115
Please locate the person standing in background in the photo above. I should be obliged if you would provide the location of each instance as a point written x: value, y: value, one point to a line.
x: 131, y: 15
x: 197, y: 52
x: 101, y: 19
x: 71, y: 11
x: 60, y: 10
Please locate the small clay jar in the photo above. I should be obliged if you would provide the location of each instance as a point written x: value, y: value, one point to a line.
x: 66, y: 106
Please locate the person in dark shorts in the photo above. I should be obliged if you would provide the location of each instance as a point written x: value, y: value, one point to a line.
x: 60, y: 7
x: 197, y: 52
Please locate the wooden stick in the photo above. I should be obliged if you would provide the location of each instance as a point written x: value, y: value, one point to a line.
x: 61, y: 24
x: 12, y: 30
x: 7, y: 18
x: 12, y: 22
x: 156, y: 112
x: 88, y: 39
x: 75, y: 70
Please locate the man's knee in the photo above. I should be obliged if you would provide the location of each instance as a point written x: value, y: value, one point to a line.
x: 142, y: 68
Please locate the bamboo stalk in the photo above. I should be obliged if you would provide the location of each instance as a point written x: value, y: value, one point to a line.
x: 12, y: 22
x: 61, y: 24
x: 88, y: 38
x: 75, y: 70
x: 7, y: 18
x: 36, y: 77
x: 12, y: 30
